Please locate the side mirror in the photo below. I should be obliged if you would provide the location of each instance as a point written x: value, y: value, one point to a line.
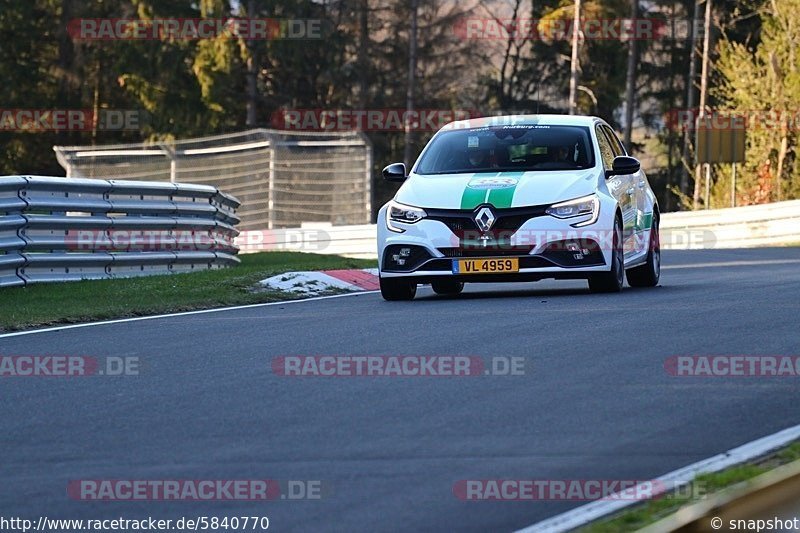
x: 622, y: 165
x: 395, y: 172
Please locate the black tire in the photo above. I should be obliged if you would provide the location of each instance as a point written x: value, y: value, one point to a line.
x: 447, y: 287
x: 649, y: 273
x: 614, y: 279
x: 397, y: 289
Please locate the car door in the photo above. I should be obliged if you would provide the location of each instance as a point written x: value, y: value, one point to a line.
x: 639, y: 182
x: 621, y: 187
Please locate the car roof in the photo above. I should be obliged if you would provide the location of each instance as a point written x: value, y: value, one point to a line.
x: 524, y: 120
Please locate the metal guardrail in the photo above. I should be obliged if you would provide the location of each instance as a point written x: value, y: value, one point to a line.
x: 59, y: 229
x: 769, y: 497
x: 773, y: 224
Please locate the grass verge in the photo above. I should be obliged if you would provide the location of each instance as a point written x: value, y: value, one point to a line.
x: 650, y: 512
x: 63, y: 303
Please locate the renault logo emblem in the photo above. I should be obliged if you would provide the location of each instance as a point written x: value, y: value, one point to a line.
x: 484, y: 219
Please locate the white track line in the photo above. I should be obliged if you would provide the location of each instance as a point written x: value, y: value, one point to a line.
x: 593, y: 511
x: 185, y: 313
x: 735, y: 264
x: 254, y: 306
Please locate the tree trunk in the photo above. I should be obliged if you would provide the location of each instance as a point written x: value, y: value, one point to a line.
x: 412, y: 68
x: 672, y: 138
x: 363, y: 54
x: 66, y: 69
x: 630, y: 81
x: 573, y: 68
x: 782, y: 151
x: 687, y: 139
x: 252, y: 75
x: 98, y: 68
x: 703, y: 92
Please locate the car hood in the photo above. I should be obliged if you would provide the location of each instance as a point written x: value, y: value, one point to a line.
x: 500, y: 189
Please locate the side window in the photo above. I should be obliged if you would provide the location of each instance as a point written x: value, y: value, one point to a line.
x: 616, y: 145
x: 606, y: 153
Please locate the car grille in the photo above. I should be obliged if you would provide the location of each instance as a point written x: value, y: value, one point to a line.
x: 507, y: 221
x: 505, y: 251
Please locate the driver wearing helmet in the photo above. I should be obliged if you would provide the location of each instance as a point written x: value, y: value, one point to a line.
x: 561, y: 154
x: 479, y: 158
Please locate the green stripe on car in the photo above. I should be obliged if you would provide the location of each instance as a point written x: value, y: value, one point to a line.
x: 501, y: 198
x: 472, y: 198
x: 480, y: 190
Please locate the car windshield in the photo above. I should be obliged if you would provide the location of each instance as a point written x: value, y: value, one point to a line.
x: 508, y: 148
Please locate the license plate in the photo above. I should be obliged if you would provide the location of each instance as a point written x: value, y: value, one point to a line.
x: 485, y: 266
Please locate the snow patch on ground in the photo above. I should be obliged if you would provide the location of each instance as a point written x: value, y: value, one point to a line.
x: 315, y: 283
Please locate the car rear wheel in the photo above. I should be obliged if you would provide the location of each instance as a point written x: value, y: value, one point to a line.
x: 397, y: 289
x: 614, y: 279
x: 447, y: 287
x: 649, y: 273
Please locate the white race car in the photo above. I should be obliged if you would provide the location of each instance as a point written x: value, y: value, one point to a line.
x: 519, y: 198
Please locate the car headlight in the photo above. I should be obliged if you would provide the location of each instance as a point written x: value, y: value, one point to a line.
x: 397, y: 212
x: 586, y: 205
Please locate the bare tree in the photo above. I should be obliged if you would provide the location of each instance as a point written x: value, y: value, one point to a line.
x: 251, y: 75
x: 573, y: 69
x: 702, y: 106
x: 412, y: 67
x: 690, y: 89
x: 363, y: 53
x: 630, y: 80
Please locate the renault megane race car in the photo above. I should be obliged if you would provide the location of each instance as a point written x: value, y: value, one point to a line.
x: 519, y: 198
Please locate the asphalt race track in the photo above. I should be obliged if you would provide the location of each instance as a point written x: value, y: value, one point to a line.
x: 595, y: 401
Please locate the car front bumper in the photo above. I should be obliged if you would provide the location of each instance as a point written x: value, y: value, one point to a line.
x: 546, y: 247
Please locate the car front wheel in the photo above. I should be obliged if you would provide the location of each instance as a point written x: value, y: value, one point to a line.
x: 614, y: 279
x: 397, y: 289
x: 649, y: 273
